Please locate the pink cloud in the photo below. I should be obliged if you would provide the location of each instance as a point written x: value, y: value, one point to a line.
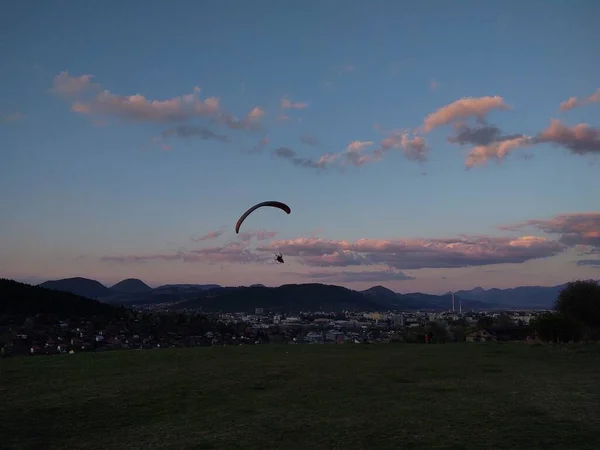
x: 498, y: 150
x: 210, y: 235
x: 477, y: 107
x: 69, y: 86
x: 579, y: 139
x: 287, y: 104
x: 574, y: 102
x: 417, y: 253
x: 414, y: 149
x: 575, y: 229
x: 579, y: 230
x: 90, y: 98
x: 256, y: 113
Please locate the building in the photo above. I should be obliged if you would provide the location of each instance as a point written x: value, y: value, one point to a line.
x: 481, y: 335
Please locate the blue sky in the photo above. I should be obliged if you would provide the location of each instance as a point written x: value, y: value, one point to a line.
x: 91, y: 185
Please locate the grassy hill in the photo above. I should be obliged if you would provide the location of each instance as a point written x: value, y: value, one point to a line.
x: 463, y: 396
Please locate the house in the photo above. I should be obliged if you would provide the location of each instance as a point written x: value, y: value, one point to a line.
x: 481, y: 335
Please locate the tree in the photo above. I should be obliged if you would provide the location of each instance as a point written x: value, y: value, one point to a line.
x: 556, y: 327
x: 580, y: 302
x: 485, y: 322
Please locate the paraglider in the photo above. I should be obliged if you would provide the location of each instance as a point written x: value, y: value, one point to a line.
x: 274, y: 204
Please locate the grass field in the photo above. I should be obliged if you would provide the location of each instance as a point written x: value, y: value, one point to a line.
x: 455, y: 396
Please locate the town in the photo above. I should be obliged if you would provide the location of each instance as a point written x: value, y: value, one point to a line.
x: 153, y: 327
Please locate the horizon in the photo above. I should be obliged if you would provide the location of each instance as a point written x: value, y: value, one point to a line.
x: 110, y: 285
x: 451, y: 149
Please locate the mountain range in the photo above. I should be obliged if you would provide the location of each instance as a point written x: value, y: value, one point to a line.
x: 307, y: 296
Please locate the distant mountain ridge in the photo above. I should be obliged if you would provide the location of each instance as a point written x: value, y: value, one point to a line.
x: 304, y: 296
x: 131, y: 286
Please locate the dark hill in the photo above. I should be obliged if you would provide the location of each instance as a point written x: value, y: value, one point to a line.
x: 288, y: 297
x: 131, y: 286
x: 316, y: 297
x: 519, y: 297
x: 79, y: 286
x: 25, y: 299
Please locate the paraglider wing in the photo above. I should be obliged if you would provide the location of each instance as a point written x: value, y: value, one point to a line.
x: 274, y: 204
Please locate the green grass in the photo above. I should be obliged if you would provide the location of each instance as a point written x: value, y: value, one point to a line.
x: 463, y: 396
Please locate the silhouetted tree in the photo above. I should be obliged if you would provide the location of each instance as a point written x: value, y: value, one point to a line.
x: 580, y: 301
x: 556, y: 327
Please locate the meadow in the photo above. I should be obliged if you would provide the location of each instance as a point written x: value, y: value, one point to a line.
x: 453, y: 396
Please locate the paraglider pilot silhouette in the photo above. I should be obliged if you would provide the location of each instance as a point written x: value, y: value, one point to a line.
x: 275, y: 204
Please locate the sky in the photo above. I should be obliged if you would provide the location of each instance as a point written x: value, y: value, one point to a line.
x: 422, y: 146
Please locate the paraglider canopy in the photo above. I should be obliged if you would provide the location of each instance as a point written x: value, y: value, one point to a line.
x: 272, y: 203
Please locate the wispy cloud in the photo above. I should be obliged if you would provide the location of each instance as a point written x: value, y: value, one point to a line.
x: 10, y: 117
x: 210, y: 235
x: 575, y: 102
x: 259, y: 235
x: 347, y: 276
x: 291, y: 155
x: 309, y: 140
x: 286, y: 103
x: 434, y: 85
x: 260, y: 145
x: 189, y: 131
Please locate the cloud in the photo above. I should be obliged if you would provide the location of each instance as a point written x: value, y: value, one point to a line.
x: 283, y: 118
x: 414, y: 149
x: 292, y: 156
x: 233, y: 252
x: 249, y: 122
x: 434, y: 85
x: 579, y: 139
x: 489, y: 144
x: 477, y: 107
x: 309, y: 140
x: 498, y: 150
x: 188, y: 131
x: 356, y: 276
x: 575, y: 102
x: 287, y: 104
x: 68, y: 86
x: 89, y: 98
x: 10, y: 117
x: 256, y: 113
x: 348, y: 68
x: 404, y: 254
x: 589, y: 262
x: 210, y: 235
x: 580, y: 230
x: 260, y: 235
x: 260, y: 145
x: 573, y: 228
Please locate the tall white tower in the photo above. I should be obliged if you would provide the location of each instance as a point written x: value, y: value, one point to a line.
x: 453, y: 302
